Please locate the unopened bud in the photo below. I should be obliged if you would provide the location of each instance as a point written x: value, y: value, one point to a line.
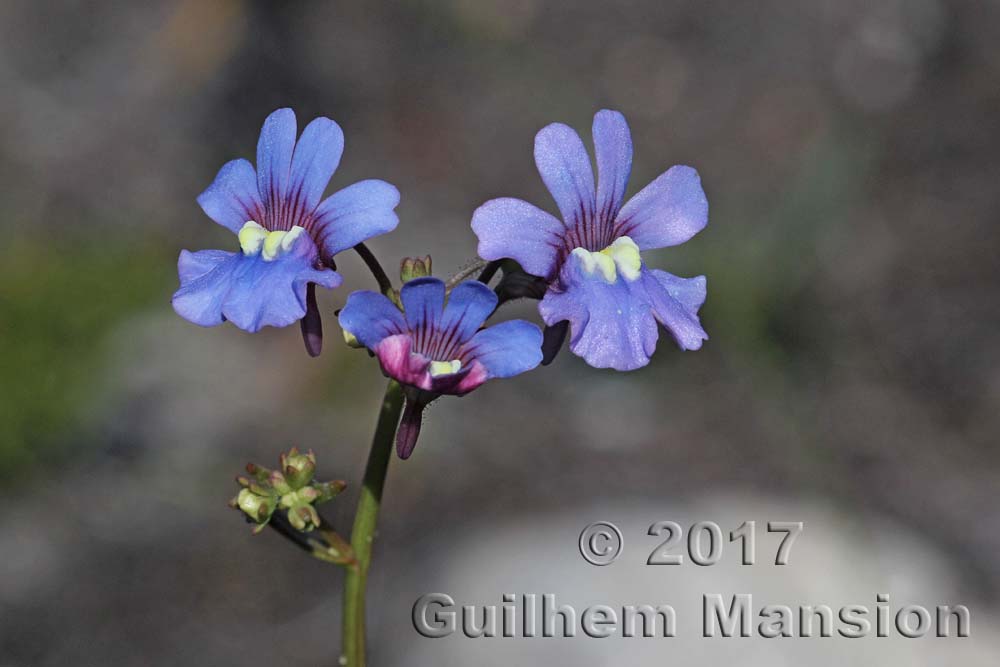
x: 258, y: 473
x: 328, y: 490
x: 338, y: 548
x: 278, y: 482
x: 414, y: 267
x: 308, y: 494
x: 298, y: 468
x: 257, y: 507
x: 303, y: 517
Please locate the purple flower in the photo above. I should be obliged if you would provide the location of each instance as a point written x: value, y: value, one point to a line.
x: 288, y: 234
x: 597, y: 281
x: 435, y: 345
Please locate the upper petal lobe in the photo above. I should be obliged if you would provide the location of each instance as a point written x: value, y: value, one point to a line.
x: 613, y: 149
x: 371, y: 317
x: 274, y: 158
x: 354, y: 215
x: 667, y: 212
x: 314, y: 160
x: 565, y: 168
x: 514, y: 229
x: 233, y: 199
x: 469, y: 304
x: 423, y: 304
x: 507, y: 349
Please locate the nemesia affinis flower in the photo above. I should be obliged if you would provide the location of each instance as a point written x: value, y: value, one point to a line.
x: 287, y: 234
x: 435, y: 344
x: 591, y: 259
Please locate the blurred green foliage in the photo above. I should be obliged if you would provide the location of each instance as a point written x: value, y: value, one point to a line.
x: 762, y: 275
x: 57, y: 305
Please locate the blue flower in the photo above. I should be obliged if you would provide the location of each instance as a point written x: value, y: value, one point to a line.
x: 288, y: 235
x: 436, y: 345
x: 597, y: 281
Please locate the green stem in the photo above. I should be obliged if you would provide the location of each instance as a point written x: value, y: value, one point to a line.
x: 365, y: 520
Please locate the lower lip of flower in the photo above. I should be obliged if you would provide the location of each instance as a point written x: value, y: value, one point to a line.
x: 620, y: 258
x: 256, y: 239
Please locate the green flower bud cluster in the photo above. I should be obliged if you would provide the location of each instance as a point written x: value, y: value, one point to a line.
x: 290, y: 488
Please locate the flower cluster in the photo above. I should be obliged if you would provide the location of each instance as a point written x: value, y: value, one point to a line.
x: 290, y: 488
x: 586, y: 269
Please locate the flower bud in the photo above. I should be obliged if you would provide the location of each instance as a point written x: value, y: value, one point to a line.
x: 308, y: 494
x: 328, y: 490
x: 257, y: 507
x: 278, y: 482
x: 258, y: 473
x: 304, y: 518
x: 298, y: 468
x: 338, y: 548
x: 414, y: 267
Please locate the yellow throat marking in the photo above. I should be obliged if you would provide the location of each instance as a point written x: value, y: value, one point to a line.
x: 438, y: 368
x: 620, y: 258
x: 255, y: 239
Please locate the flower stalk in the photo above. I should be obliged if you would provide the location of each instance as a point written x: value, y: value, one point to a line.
x: 365, y: 521
x: 384, y: 284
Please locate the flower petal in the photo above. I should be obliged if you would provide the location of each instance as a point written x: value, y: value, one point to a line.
x: 316, y: 157
x: 202, y: 292
x: 274, y: 158
x: 252, y: 293
x: 667, y: 212
x: 613, y: 148
x: 507, y: 349
x: 401, y: 363
x: 370, y: 317
x: 565, y: 168
x: 471, y: 377
x: 355, y: 214
x: 423, y: 304
x: 469, y: 304
x: 612, y: 324
x: 398, y: 362
x: 675, y: 304
x: 512, y: 228
x: 233, y: 199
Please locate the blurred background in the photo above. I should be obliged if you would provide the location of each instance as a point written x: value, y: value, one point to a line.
x: 848, y: 150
